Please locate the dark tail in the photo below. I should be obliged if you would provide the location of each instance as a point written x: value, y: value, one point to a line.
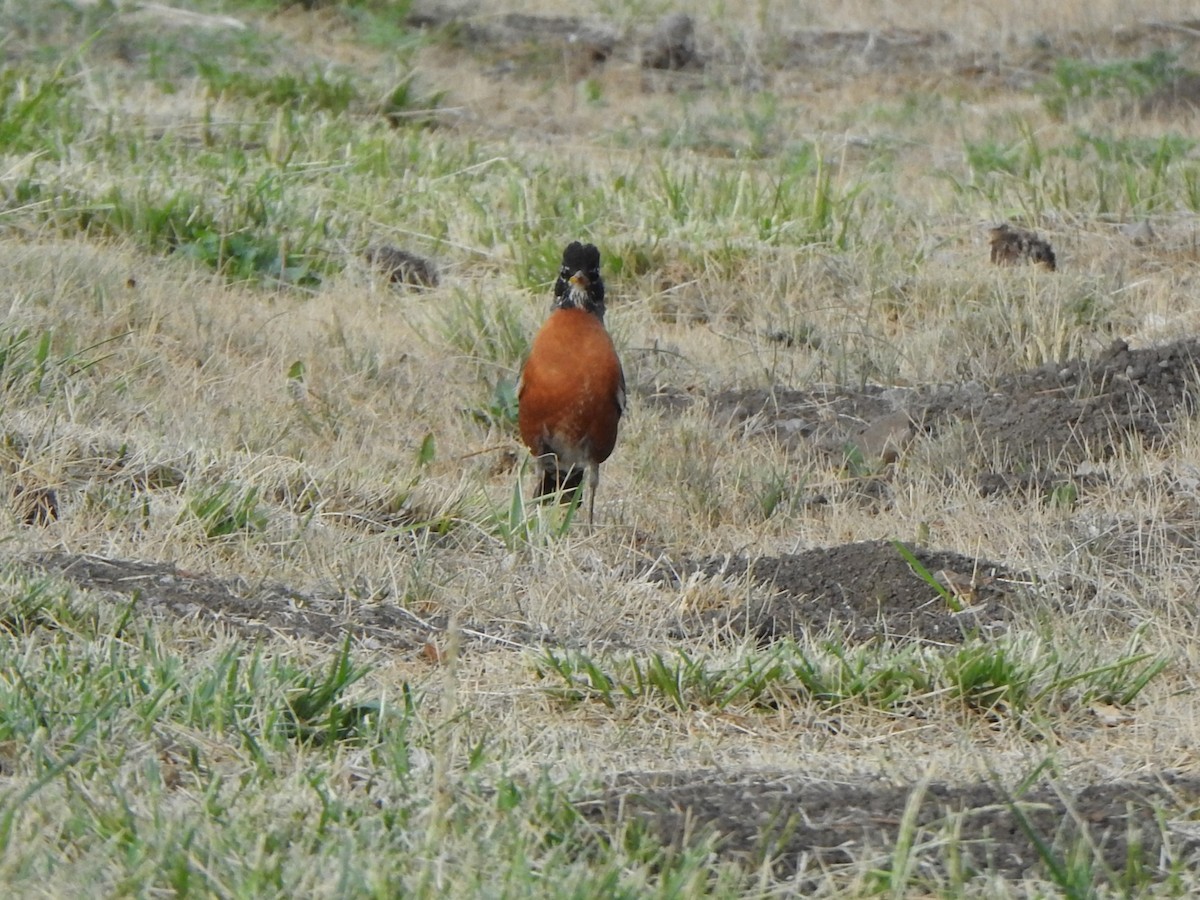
x: 569, y: 481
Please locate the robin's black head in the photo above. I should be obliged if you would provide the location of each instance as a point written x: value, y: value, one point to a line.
x: 579, y: 283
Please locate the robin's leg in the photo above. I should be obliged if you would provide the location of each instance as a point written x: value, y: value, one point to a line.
x: 593, y: 483
x: 550, y: 483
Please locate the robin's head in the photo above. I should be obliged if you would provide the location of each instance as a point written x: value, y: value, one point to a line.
x: 579, y: 283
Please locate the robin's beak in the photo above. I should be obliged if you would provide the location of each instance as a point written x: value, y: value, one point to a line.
x: 580, y: 281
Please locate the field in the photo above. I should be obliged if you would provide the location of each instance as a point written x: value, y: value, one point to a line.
x: 892, y: 586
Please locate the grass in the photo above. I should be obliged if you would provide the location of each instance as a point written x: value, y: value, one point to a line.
x: 178, y: 819
x: 1020, y: 680
x: 198, y: 359
x: 1077, y: 81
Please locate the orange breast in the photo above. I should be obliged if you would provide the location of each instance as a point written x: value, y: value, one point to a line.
x: 572, y: 389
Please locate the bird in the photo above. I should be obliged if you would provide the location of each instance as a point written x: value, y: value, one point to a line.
x: 571, y: 391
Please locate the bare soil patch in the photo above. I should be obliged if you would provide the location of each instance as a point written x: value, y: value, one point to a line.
x: 1056, y: 414
x: 805, y: 826
x: 266, y: 610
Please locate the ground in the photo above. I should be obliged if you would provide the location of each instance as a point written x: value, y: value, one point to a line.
x: 892, y: 587
x: 865, y: 591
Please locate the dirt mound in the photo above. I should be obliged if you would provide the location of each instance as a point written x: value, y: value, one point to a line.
x: 800, y: 825
x: 1053, y: 415
x: 1082, y: 409
x: 870, y: 590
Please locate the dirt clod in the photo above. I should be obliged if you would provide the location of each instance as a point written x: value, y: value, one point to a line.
x: 1011, y: 245
x: 402, y: 267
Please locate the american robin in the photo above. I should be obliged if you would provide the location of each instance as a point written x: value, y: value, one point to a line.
x: 572, y: 390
